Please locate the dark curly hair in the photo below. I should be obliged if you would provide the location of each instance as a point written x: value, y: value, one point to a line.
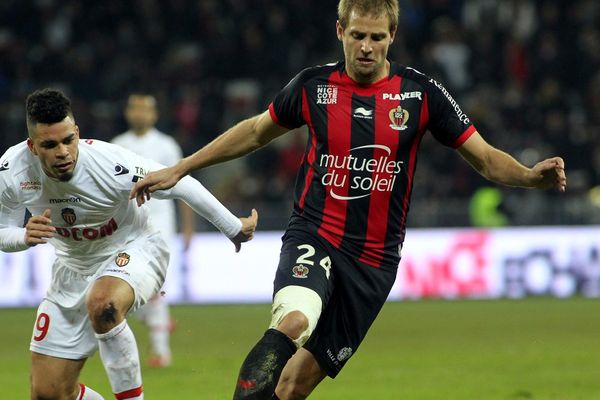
x: 47, y: 106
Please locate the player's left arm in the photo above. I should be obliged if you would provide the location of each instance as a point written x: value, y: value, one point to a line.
x: 500, y: 167
x: 243, y: 138
x: 192, y: 192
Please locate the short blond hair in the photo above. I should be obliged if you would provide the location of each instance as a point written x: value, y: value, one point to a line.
x: 375, y: 8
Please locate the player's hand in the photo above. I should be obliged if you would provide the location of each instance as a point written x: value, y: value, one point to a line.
x: 158, y: 180
x: 38, y: 229
x: 550, y: 173
x: 247, y: 232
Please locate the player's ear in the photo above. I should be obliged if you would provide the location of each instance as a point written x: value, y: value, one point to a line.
x: 339, y: 30
x: 31, y: 146
x: 77, y: 131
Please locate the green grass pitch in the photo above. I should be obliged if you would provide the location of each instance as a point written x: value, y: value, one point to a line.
x: 541, y: 349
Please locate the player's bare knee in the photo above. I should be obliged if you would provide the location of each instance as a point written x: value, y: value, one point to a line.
x: 103, y: 314
x: 295, y: 312
x: 293, y: 324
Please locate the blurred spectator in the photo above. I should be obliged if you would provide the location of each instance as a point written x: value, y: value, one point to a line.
x: 526, y: 71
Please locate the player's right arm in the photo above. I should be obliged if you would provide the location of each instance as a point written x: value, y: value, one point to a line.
x: 241, y: 139
x: 16, y: 237
x: 12, y: 211
x: 284, y: 113
x: 12, y: 233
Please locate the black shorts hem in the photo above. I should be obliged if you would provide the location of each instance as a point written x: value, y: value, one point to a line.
x: 325, y: 364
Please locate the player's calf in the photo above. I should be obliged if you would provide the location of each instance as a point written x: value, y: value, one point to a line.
x: 262, y: 367
x: 299, y: 377
x: 295, y: 313
x: 120, y: 357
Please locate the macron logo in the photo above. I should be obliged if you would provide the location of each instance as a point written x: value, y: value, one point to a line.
x: 362, y: 112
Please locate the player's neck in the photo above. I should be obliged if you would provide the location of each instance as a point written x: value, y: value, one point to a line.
x: 383, y: 73
x: 141, y: 132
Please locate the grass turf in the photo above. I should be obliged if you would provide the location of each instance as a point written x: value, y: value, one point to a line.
x: 541, y: 349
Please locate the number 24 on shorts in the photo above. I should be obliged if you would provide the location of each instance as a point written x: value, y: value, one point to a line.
x: 325, y: 262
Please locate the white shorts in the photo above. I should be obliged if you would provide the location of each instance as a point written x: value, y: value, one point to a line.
x: 62, y: 328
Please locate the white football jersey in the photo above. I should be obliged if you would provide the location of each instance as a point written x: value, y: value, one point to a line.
x: 92, y: 212
x: 163, y: 149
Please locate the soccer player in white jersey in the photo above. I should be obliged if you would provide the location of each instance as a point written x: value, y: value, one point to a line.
x: 141, y: 114
x: 110, y: 259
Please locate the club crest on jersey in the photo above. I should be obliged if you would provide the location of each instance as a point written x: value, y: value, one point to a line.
x: 68, y: 214
x: 300, y: 271
x: 122, y: 259
x: 398, y: 117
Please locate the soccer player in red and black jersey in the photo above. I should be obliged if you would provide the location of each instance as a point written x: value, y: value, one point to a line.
x: 366, y: 116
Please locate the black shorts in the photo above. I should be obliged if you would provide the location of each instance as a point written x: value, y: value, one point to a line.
x: 352, y: 293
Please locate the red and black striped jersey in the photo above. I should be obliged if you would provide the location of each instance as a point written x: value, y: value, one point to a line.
x: 354, y: 185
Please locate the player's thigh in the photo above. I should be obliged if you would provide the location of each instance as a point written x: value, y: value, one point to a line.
x: 53, y: 377
x: 304, y: 261
x: 62, y: 339
x: 359, y: 295
x: 63, y: 332
x: 303, y: 283
x: 142, y: 265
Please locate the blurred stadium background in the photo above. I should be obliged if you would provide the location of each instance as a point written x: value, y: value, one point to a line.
x: 526, y: 72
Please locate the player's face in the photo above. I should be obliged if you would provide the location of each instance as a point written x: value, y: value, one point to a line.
x: 141, y: 113
x: 366, y: 40
x: 57, y: 147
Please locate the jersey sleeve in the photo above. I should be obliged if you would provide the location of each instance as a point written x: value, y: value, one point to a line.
x: 286, y: 107
x: 447, y: 121
x: 12, y: 212
x: 187, y: 189
x: 203, y: 203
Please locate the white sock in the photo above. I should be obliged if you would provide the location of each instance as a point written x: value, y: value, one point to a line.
x: 85, y: 393
x: 158, y: 320
x: 119, y: 354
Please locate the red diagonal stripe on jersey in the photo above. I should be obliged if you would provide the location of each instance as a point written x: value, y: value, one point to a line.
x: 339, y: 129
x: 310, y: 158
x: 412, y: 161
x: 129, y: 394
x: 379, y: 203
